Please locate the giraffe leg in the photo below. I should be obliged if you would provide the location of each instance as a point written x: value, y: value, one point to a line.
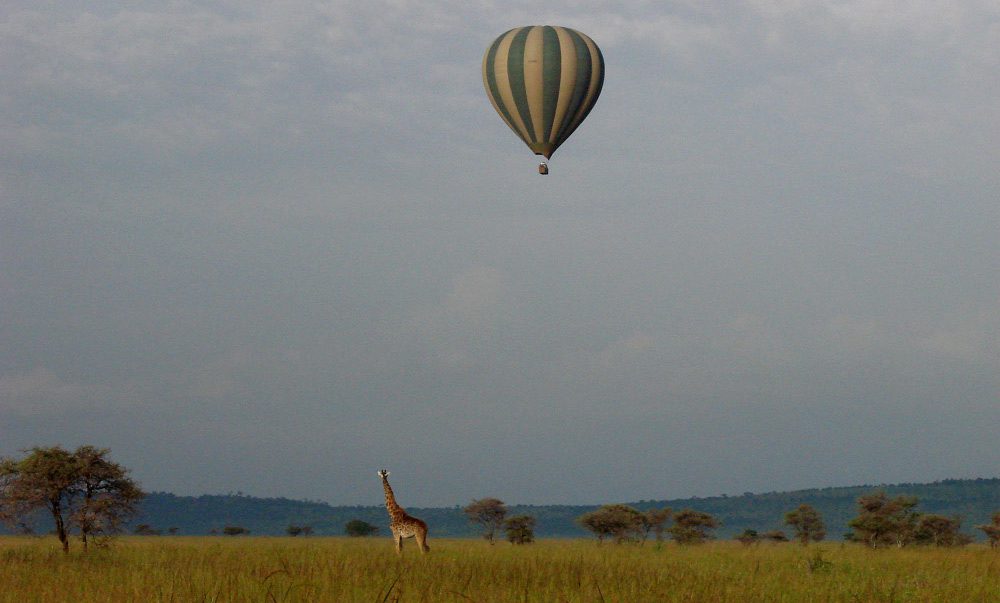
x: 422, y: 541
x: 399, y: 543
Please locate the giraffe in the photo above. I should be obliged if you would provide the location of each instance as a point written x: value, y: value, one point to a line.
x: 403, y: 525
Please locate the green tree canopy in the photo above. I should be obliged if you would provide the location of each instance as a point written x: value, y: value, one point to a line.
x: 939, y: 530
x: 807, y: 523
x: 520, y: 529
x: 357, y: 528
x: 655, y: 520
x: 883, y: 521
x: 692, y: 527
x: 620, y: 522
x: 992, y: 530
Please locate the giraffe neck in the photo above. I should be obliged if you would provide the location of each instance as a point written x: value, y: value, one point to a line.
x: 390, y: 499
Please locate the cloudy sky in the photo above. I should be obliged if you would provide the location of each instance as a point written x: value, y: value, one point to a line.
x: 275, y: 246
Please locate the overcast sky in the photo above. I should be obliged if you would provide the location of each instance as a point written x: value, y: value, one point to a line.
x: 275, y: 246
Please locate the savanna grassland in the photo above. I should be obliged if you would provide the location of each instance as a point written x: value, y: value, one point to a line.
x: 367, y: 569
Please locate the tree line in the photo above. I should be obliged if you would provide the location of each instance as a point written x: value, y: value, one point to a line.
x: 881, y: 521
x: 974, y: 500
x: 89, y: 496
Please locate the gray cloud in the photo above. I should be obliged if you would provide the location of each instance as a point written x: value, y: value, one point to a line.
x: 269, y: 247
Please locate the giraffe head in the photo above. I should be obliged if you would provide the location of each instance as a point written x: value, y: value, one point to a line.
x: 383, y: 473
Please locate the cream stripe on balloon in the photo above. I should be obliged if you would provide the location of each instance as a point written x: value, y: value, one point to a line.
x: 534, y: 81
x: 489, y: 93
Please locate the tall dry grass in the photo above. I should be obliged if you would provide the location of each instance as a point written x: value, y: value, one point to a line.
x: 343, y: 569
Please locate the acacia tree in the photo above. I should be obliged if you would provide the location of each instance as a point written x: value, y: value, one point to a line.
x: 992, y: 530
x: 883, y: 521
x: 692, y: 527
x: 488, y: 513
x: 620, y: 522
x: 655, y: 520
x: 81, y: 488
x: 108, y: 498
x: 938, y: 530
x: 807, y: 523
x: 45, y: 478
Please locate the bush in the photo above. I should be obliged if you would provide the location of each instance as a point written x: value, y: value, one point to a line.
x: 356, y: 528
x: 144, y: 529
x: 520, y: 529
x: 748, y: 537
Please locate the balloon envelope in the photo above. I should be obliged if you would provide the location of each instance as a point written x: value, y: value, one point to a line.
x: 543, y: 81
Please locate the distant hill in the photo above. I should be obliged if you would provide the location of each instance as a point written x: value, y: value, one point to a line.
x: 975, y: 500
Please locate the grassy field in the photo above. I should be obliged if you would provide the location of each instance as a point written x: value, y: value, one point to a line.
x: 343, y: 569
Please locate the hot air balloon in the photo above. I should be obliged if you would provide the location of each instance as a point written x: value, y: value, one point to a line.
x: 543, y: 80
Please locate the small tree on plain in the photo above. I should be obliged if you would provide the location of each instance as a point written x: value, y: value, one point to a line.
x: 620, y: 522
x: 775, y: 536
x: 882, y: 521
x: 992, y: 530
x: 235, y: 530
x: 807, y: 523
x: 144, y: 529
x: 692, y: 527
x: 938, y: 530
x: 748, y: 536
x: 489, y: 513
x: 520, y: 529
x: 655, y: 521
x: 293, y: 530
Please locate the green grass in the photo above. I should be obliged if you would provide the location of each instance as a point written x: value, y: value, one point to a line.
x: 343, y: 569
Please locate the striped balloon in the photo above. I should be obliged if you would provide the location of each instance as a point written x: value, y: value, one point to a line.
x: 543, y: 81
